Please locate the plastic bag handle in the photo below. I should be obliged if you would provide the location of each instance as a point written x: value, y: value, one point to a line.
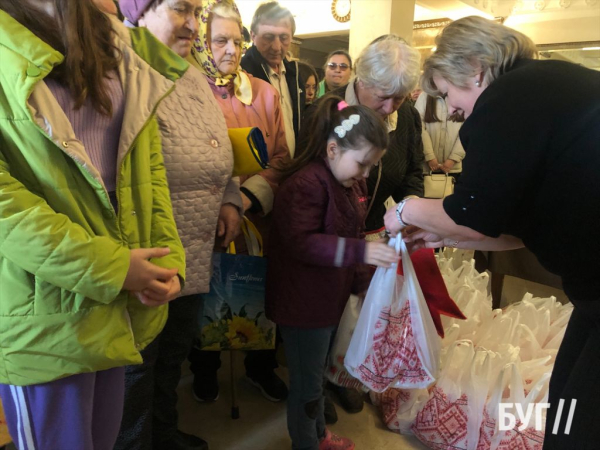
x: 540, y: 387
x: 450, y: 354
x: 516, y: 386
x: 401, y: 249
x: 254, y: 240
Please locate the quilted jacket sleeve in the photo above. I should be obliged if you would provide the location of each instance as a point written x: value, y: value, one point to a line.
x: 458, y: 152
x: 299, y: 221
x: 50, y: 246
x: 164, y: 231
x: 232, y: 194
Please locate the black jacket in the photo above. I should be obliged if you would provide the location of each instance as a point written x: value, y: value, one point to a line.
x: 257, y: 66
x: 534, y: 174
x: 402, y: 164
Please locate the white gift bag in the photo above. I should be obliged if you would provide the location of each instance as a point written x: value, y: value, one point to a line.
x: 510, y: 380
x: 336, y: 371
x: 452, y: 416
x: 395, y: 343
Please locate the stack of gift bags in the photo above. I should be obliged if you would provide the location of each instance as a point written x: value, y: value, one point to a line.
x: 492, y: 357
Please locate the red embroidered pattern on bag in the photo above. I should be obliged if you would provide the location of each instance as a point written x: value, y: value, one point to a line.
x: 442, y: 424
x: 341, y: 377
x: 486, y: 431
x: 391, y: 401
x: 393, y: 356
x: 528, y: 439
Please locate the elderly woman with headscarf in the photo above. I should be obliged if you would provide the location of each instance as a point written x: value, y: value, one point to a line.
x: 206, y: 202
x: 245, y: 102
x: 529, y: 178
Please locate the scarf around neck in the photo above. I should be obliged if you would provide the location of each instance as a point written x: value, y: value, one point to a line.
x: 203, y: 57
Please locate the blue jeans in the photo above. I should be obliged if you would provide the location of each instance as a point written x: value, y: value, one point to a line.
x: 306, y: 352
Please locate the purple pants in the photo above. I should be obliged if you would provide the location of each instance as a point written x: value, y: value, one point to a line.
x: 80, y: 412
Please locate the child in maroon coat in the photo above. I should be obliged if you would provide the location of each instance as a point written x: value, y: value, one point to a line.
x: 317, y: 255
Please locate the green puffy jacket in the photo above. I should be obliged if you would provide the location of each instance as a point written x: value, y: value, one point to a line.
x: 64, y: 251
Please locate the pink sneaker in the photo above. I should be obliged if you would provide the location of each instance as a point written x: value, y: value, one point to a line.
x: 334, y: 442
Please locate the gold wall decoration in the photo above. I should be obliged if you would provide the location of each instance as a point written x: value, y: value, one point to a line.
x: 425, y: 32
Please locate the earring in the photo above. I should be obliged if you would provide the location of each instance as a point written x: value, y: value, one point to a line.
x: 478, y: 83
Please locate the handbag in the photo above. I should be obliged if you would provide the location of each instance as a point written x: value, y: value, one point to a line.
x: 249, y: 151
x: 232, y: 316
x: 438, y: 185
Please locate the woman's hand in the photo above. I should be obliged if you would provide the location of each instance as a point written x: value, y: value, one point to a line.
x: 380, y: 254
x: 447, y: 166
x: 229, y: 223
x: 434, y: 165
x: 417, y: 238
x: 390, y: 221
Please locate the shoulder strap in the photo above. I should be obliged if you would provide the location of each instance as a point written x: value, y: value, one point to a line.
x: 380, y: 165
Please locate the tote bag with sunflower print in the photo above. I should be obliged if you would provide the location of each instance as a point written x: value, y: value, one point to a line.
x: 233, y: 313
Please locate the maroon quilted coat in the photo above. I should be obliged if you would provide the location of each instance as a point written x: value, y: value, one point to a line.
x: 316, y: 251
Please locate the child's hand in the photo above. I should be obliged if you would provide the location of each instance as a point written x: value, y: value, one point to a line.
x: 151, y: 298
x: 380, y: 254
x: 142, y: 274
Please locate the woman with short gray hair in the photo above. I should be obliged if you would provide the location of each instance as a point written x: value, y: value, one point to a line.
x: 529, y: 179
x: 389, y: 64
x: 386, y: 71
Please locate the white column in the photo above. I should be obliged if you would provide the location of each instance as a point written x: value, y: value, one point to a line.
x: 372, y: 18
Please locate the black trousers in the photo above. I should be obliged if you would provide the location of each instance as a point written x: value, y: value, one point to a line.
x: 150, y: 412
x: 576, y: 376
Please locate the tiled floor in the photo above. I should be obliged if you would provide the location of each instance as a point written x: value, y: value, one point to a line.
x: 262, y: 424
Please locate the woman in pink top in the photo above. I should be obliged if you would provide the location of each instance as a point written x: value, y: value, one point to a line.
x: 245, y: 102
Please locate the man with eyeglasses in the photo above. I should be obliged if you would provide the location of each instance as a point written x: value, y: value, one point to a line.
x: 338, y: 70
x: 272, y: 30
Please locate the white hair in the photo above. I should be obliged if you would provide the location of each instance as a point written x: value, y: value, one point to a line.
x: 225, y: 11
x: 389, y: 64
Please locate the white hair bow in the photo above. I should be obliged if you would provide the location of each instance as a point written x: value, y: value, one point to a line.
x: 346, y: 125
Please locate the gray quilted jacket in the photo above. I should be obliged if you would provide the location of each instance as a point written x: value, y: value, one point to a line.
x: 199, y: 163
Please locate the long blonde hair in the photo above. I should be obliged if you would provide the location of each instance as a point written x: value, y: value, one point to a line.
x: 471, y: 45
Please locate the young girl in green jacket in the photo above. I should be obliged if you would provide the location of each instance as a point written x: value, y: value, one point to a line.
x: 89, y: 251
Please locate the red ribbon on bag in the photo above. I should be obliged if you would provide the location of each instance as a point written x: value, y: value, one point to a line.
x: 433, y: 287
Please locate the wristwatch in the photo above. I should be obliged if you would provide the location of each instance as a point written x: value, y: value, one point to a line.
x: 399, y: 209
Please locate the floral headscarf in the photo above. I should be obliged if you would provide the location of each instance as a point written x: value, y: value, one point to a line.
x: 203, y: 56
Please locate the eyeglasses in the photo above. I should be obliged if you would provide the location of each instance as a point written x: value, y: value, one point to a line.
x: 334, y: 66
